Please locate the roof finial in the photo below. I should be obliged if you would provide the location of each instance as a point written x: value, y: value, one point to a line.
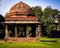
x: 20, y: 1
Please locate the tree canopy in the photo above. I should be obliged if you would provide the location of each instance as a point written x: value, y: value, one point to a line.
x: 1, y: 18
x: 47, y: 17
x: 37, y: 11
x: 2, y: 28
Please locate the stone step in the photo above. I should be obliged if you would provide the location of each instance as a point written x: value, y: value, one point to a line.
x: 13, y: 39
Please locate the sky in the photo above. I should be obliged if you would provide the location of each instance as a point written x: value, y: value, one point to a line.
x: 5, y: 5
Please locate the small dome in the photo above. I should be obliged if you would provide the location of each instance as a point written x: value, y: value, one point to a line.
x: 21, y: 8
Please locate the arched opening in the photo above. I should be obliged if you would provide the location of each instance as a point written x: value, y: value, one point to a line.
x: 21, y: 29
x: 32, y: 30
x: 11, y: 29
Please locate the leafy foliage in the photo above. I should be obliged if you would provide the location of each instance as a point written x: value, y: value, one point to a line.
x: 2, y: 28
x: 38, y: 12
x: 47, y: 17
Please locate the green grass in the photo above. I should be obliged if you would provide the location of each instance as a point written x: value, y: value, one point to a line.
x: 32, y: 44
x: 49, y: 39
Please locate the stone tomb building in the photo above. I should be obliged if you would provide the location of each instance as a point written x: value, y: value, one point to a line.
x: 21, y: 24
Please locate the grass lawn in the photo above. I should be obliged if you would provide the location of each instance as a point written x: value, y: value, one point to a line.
x: 40, y: 44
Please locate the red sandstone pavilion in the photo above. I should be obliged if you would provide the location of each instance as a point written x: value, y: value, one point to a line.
x: 21, y: 24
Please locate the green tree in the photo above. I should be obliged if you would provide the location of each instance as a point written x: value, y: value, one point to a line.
x: 55, y: 12
x: 2, y: 19
x: 48, y: 19
x: 37, y: 11
x: 1, y: 26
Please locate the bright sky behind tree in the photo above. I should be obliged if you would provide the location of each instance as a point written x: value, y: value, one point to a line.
x: 5, y: 5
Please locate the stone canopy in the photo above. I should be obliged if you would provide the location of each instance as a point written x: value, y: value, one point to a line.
x: 21, y: 16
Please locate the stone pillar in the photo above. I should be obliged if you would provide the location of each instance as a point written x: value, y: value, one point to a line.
x: 27, y: 31
x: 38, y: 31
x: 6, y: 31
x: 16, y: 34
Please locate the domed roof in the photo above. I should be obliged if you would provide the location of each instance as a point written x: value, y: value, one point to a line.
x: 21, y: 8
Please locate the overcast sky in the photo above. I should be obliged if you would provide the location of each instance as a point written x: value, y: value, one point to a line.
x: 5, y: 5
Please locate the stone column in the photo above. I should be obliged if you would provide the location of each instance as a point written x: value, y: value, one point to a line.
x: 6, y: 31
x: 27, y: 31
x: 38, y: 31
x: 16, y: 34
